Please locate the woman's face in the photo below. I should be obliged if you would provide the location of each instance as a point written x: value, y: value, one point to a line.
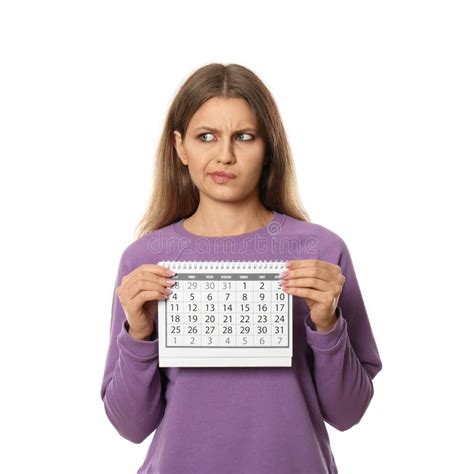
x: 223, y: 136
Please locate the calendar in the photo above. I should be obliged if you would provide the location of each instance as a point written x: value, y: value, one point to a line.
x: 225, y: 314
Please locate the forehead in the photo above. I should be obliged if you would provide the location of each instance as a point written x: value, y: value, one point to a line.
x: 219, y: 113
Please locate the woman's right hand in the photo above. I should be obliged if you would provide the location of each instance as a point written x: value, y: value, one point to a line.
x: 138, y: 293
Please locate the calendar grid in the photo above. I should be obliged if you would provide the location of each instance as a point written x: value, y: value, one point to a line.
x: 180, y: 313
x: 223, y: 309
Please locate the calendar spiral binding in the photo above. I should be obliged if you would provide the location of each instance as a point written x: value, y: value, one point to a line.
x: 224, y: 264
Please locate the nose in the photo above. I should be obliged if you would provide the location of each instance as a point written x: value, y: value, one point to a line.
x: 227, y: 153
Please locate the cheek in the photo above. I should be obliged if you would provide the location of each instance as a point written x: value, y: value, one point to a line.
x: 253, y: 164
x: 251, y: 156
x: 195, y: 170
x: 197, y: 167
x: 257, y: 157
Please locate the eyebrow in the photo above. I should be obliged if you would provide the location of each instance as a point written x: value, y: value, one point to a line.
x: 204, y: 127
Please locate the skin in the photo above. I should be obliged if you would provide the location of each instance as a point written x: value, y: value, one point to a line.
x: 227, y: 209
x: 138, y: 293
x: 234, y: 207
x: 320, y: 284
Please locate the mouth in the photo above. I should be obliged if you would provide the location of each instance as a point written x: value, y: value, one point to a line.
x: 224, y: 174
x: 221, y: 177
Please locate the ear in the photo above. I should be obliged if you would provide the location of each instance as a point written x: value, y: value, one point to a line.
x: 178, y: 145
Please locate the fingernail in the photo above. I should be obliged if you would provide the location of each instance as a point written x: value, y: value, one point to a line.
x: 170, y: 272
x: 170, y: 282
x: 168, y: 291
x: 284, y: 273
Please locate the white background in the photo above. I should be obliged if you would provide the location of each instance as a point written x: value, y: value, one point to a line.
x: 377, y: 101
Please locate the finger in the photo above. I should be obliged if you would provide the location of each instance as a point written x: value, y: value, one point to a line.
x: 315, y: 283
x: 147, y: 275
x: 320, y: 296
x: 141, y: 298
x: 139, y: 286
x: 308, y: 262
x: 149, y: 267
x: 315, y: 272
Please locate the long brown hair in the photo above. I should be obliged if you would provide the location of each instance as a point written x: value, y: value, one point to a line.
x: 174, y: 194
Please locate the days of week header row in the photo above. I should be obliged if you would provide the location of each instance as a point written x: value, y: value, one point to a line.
x: 227, y: 276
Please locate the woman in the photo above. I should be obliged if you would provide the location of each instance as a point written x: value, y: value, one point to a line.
x: 224, y: 189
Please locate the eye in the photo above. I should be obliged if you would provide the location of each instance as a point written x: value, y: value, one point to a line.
x: 250, y: 135
x: 238, y: 135
x: 203, y: 135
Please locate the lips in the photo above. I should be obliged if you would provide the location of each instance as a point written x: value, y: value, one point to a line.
x: 222, y: 174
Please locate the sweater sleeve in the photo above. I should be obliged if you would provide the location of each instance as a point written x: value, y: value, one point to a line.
x: 346, y: 358
x: 132, y: 383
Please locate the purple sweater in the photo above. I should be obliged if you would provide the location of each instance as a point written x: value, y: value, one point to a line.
x: 252, y: 420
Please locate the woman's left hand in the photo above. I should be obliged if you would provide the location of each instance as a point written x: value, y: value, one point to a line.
x: 320, y: 284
